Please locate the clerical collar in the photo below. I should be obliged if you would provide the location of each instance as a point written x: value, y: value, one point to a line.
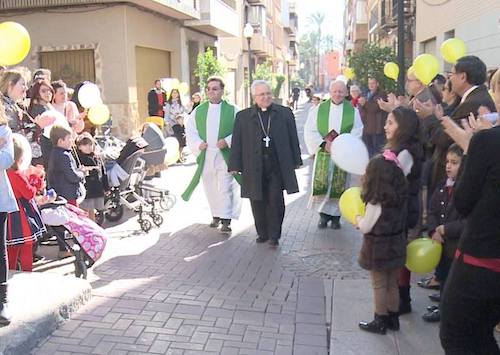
x: 336, y: 104
x: 216, y: 103
x: 263, y: 109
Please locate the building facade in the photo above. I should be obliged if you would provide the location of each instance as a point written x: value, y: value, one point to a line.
x: 122, y: 46
x: 274, y: 41
x: 355, y: 26
x: 475, y: 22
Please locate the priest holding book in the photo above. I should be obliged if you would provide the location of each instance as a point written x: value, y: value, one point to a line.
x: 324, y: 123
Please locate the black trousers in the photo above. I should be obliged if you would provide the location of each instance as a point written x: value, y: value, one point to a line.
x: 4, y: 265
x: 269, y: 212
x: 470, y: 309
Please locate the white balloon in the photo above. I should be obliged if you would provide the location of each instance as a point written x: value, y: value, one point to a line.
x: 89, y: 95
x: 349, y: 153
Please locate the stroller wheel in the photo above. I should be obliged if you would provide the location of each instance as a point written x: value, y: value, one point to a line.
x: 114, y: 214
x: 167, y: 202
x: 145, y: 225
x: 157, y: 219
x: 99, y: 217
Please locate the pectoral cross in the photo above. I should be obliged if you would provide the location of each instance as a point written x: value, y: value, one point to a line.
x: 266, y: 140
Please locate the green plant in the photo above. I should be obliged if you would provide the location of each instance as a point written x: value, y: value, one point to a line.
x: 207, y: 65
x: 278, y: 83
x: 263, y: 71
x: 369, y: 62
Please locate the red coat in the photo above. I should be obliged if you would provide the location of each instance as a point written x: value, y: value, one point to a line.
x: 25, y: 225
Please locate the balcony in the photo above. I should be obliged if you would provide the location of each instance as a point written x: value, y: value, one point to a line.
x: 217, y: 18
x: 178, y: 9
x: 261, y: 45
x: 292, y: 26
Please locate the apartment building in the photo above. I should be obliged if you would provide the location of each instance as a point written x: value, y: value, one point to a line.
x: 123, y: 46
x: 475, y: 22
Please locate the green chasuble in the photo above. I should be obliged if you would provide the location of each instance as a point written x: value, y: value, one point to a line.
x: 322, y: 161
x: 226, y: 124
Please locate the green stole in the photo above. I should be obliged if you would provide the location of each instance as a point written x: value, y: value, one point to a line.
x: 322, y: 161
x: 226, y: 124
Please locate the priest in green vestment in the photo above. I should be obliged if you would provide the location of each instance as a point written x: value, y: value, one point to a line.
x: 209, y: 131
x: 330, y: 118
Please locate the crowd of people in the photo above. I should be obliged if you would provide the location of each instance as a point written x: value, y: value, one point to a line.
x: 47, y: 152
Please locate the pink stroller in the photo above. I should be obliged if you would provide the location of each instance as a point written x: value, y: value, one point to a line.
x: 89, y: 239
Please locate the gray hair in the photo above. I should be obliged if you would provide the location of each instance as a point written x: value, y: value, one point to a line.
x: 333, y: 82
x: 256, y: 83
x: 355, y: 88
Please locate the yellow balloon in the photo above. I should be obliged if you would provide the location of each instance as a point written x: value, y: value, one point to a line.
x: 175, y: 84
x: 426, y: 68
x: 98, y: 114
x: 349, y: 73
x: 15, y: 43
x: 183, y: 88
x: 411, y: 70
x: 423, y: 255
x: 391, y: 70
x: 172, y: 158
x: 351, y: 204
x: 453, y: 49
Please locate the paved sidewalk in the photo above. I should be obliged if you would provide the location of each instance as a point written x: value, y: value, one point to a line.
x: 187, y: 289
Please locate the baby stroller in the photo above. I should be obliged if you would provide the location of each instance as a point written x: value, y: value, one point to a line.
x: 126, y: 175
x: 88, y: 238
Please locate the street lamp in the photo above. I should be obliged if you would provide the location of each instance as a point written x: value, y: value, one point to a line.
x: 248, y: 34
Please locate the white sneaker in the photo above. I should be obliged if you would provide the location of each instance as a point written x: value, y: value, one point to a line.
x: 5, y: 315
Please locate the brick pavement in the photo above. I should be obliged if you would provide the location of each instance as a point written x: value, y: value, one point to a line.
x: 187, y: 289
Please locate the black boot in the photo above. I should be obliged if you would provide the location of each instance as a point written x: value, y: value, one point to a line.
x: 226, y: 223
x: 215, y: 222
x: 378, y: 325
x: 393, y: 321
x: 404, y: 300
x: 335, y: 222
x: 323, y: 220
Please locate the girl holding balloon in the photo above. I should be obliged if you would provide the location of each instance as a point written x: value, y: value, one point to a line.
x: 173, y: 107
x: 404, y: 139
x: 383, y: 253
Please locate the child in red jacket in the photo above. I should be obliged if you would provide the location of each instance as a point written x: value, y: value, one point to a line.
x: 25, y: 226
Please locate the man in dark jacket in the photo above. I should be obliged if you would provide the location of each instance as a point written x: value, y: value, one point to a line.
x: 156, y: 99
x: 467, y: 81
x: 373, y: 118
x: 265, y: 151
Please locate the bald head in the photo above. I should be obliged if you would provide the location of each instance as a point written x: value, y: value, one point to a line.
x: 338, y: 91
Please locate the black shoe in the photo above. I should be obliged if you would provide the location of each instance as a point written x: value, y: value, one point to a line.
x: 378, y: 325
x: 432, y: 308
x: 226, y: 226
x: 404, y: 300
x: 393, y: 321
x: 215, y: 222
x: 37, y: 258
x: 335, y: 222
x: 274, y: 243
x: 261, y: 239
x: 432, y: 317
x: 435, y: 297
x: 323, y: 221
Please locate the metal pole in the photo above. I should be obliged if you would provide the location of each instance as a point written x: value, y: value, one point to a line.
x: 249, y: 71
x: 401, y: 47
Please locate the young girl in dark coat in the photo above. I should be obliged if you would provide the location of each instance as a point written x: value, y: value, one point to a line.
x: 25, y: 226
x: 96, y: 180
x: 444, y: 223
x: 383, y: 253
x: 404, y: 138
